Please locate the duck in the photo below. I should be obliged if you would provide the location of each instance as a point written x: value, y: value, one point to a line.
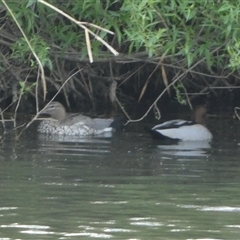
x: 182, y: 130
x: 63, y: 123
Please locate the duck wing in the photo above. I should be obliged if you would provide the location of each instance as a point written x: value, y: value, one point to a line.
x: 173, y: 124
x: 76, y: 118
x: 101, y: 123
x: 168, y: 131
x: 95, y: 123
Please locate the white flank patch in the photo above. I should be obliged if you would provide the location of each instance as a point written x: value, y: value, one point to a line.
x: 196, y: 132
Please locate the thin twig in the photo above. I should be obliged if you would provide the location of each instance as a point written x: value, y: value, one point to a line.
x: 18, y: 103
x: 36, y: 93
x: 32, y: 50
x: 236, y: 113
x: 3, y: 120
x: 120, y: 105
x: 157, y: 111
x: 88, y: 46
x: 186, y: 95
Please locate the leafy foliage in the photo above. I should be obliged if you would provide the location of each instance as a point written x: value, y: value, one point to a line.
x: 192, y: 29
x: 24, y: 88
x: 21, y: 51
x: 178, y: 33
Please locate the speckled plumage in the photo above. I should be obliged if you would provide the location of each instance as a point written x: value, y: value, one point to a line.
x: 71, y: 124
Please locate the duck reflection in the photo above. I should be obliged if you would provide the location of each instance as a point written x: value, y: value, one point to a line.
x: 75, y: 145
x: 75, y: 139
x: 186, y: 148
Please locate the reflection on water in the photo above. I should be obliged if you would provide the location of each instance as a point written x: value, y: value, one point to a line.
x: 217, y: 209
x: 72, y: 139
x: 73, y: 145
x: 120, y: 186
x: 186, y: 148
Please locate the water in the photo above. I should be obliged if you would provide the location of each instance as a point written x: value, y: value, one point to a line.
x: 124, y: 186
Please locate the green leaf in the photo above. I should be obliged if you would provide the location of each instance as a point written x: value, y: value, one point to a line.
x: 31, y: 2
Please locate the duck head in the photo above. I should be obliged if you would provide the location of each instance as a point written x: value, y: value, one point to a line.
x: 200, y: 115
x: 56, y: 111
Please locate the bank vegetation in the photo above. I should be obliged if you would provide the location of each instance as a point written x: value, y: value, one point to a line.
x: 97, y: 55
